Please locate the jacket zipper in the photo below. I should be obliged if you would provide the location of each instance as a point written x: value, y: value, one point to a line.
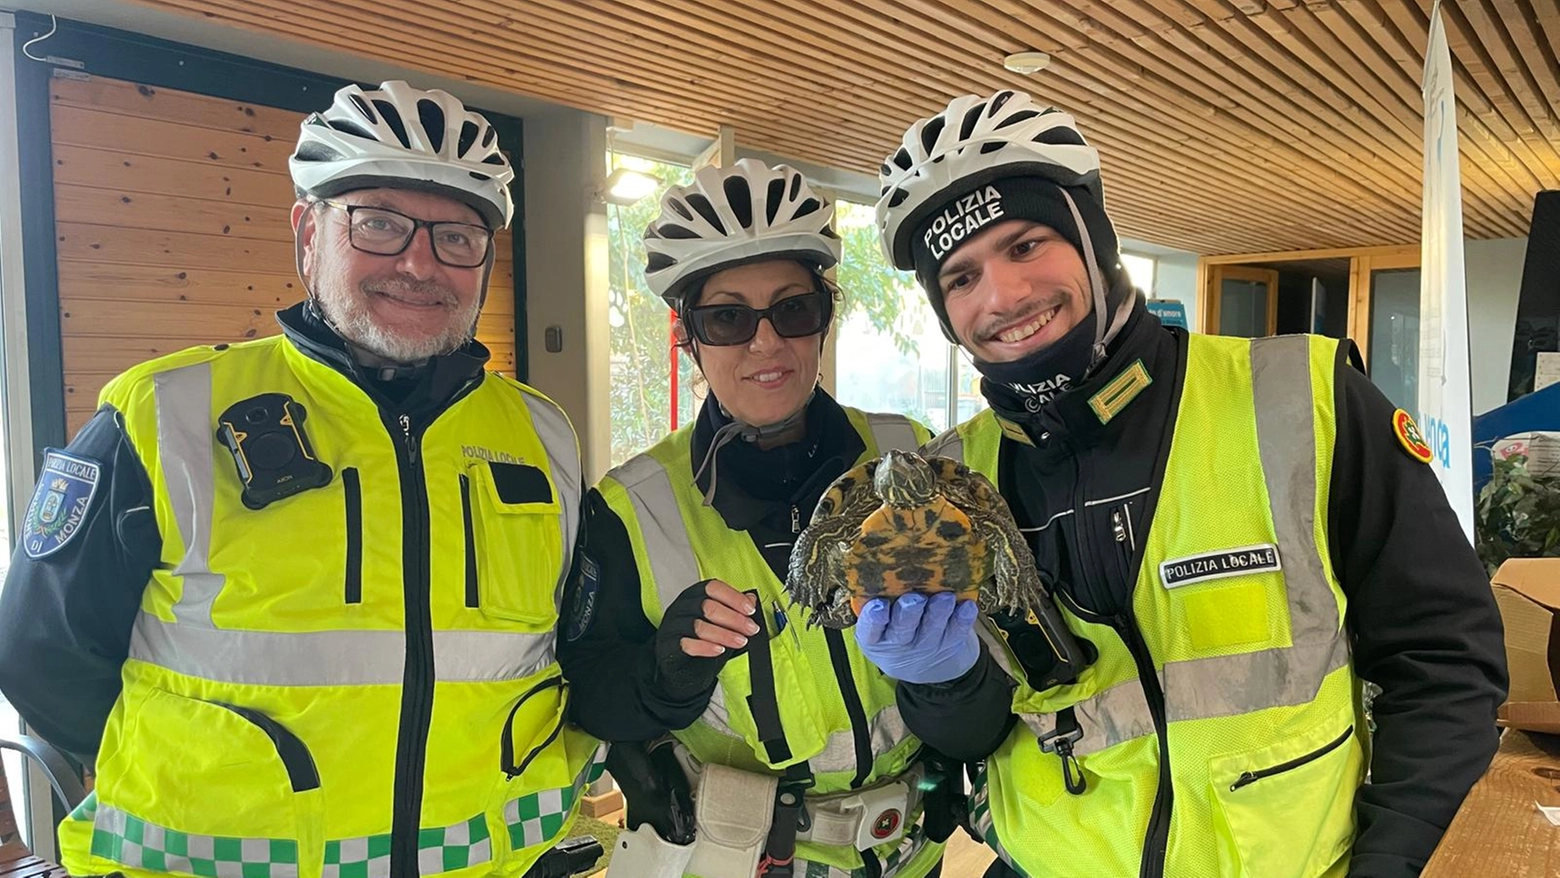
x: 354, y: 508
x: 1156, y: 838
x: 1250, y: 777
x: 417, y: 682
x: 473, y: 594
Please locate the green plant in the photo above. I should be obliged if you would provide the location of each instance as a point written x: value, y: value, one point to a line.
x: 1518, y: 515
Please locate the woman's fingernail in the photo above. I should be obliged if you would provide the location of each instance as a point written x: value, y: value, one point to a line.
x: 752, y: 627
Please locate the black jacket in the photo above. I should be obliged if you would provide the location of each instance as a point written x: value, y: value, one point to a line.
x: 1421, y: 615
x: 608, y: 652
x: 65, y: 618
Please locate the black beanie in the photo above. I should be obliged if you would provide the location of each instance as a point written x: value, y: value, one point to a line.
x: 1037, y: 199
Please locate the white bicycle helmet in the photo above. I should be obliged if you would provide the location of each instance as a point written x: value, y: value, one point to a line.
x: 728, y: 217
x: 972, y: 141
x: 407, y: 138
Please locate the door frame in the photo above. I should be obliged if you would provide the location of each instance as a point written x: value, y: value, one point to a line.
x: 1362, y: 261
x: 1221, y: 273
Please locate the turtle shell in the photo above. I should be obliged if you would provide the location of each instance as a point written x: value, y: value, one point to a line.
x: 926, y: 549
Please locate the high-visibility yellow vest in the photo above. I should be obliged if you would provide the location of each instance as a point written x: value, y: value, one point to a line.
x: 1242, y: 614
x: 355, y: 676
x: 677, y: 542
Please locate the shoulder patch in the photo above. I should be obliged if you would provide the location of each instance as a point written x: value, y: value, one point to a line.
x: 582, y: 609
x: 1409, y: 436
x: 65, y: 491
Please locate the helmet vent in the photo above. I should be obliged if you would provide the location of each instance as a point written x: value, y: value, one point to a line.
x: 929, y: 132
x: 363, y: 108
x: 347, y: 126
x: 489, y: 137
x: 494, y: 159
x: 808, y: 207
x: 899, y: 197
x: 702, y: 206
x: 998, y: 101
x: 392, y: 118
x: 796, y: 186
x: 674, y: 232
x: 1016, y: 118
x: 431, y: 115
x: 680, y: 209
x: 988, y: 148
x: 970, y: 119
x: 772, y: 200
x: 659, y: 262
x: 740, y: 198
x: 468, y: 136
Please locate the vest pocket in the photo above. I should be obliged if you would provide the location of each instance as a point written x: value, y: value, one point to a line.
x: 1296, y: 796
x: 515, y: 550
x: 536, y: 793
x: 203, y: 787
x: 353, y: 492
x: 794, y: 696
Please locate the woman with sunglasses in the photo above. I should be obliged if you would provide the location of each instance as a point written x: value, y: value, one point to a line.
x: 678, y: 622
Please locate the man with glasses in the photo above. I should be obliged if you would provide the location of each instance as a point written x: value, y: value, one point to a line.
x: 296, y: 596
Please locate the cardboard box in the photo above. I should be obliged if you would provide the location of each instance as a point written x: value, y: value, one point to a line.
x: 1528, y: 593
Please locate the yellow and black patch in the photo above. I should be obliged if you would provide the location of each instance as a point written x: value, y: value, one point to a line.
x: 1121, y: 390
x: 1410, y: 438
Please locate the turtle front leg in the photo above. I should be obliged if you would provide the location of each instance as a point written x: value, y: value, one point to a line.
x: 835, y: 611
x: 1014, y: 585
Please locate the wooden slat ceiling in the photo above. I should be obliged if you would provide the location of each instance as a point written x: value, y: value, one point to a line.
x: 1225, y: 127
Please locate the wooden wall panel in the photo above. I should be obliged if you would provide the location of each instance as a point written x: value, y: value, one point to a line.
x: 172, y: 230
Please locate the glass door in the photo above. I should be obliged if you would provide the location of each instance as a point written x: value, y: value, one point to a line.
x: 1244, y: 302
x: 1389, y: 338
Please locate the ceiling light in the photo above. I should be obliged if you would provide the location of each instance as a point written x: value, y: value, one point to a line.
x: 625, y: 186
x: 1026, y: 62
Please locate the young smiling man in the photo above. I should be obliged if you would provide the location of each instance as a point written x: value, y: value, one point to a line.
x: 304, y: 617
x: 1239, y: 531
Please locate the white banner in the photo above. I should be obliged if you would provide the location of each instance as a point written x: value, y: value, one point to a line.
x: 1445, y: 407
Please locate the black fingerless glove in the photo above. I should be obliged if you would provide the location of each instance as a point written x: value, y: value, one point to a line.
x: 683, y: 677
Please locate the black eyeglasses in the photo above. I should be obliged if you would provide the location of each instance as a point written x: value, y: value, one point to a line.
x: 385, y: 232
x: 734, y: 324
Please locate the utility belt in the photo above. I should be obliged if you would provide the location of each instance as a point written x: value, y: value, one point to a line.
x: 747, y: 824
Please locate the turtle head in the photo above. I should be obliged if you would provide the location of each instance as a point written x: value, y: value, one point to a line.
x: 904, y: 479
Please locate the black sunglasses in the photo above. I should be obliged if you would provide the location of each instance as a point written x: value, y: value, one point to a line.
x: 733, y: 324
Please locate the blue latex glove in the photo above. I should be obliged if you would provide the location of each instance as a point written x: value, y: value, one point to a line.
x: 920, y: 640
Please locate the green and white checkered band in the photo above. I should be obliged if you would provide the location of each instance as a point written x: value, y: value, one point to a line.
x: 130, y: 841
x: 123, y: 838
x: 539, y: 817
x: 980, y: 806
x: 439, y: 849
x: 980, y: 819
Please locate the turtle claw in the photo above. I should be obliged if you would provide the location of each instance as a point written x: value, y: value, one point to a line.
x: 836, y: 613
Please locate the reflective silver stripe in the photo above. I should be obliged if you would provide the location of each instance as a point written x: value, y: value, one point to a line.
x: 672, y: 562
x: 1286, y: 435
x: 563, y: 458
x: 184, y: 452
x: 332, y: 658
x: 839, y: 753
x: 891, y: 432
x: 1280, y: 677
x: 947, y: 444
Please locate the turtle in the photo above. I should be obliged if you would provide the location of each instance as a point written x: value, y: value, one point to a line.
x: 906, y: 523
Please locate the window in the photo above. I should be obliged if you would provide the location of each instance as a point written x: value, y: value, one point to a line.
x: 1141, y: 270
x: 890, y: 353
x: 642, y: 357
